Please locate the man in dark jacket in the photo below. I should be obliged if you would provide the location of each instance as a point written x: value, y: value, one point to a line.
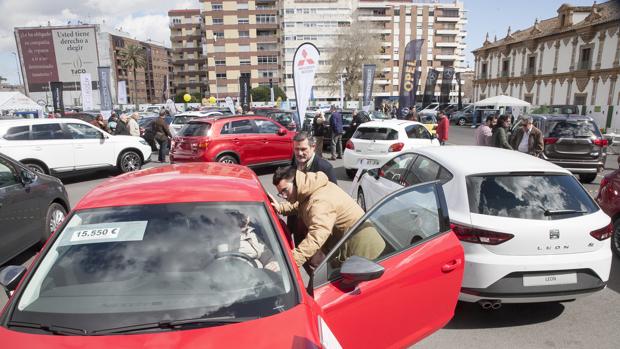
x: 162, y: 135
x: 335, y: 123
x: 122, y: 126
x: 528, y: 139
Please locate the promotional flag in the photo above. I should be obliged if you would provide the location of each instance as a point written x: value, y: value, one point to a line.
x: 105, y: 93
x: 368, y: 79
x: 446, y: 83
x: 57, y: 101
x: 305, y: 65
x: 86, y: 86
x: 122, y: 92
x: 408, y: 83
x: 166, y: 91
x: 429, y: 88
x: 244, y: 93
x: 460, y: 98
x: 230, y: 104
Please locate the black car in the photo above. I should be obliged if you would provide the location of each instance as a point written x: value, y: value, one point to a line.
x: 285, y: 118
x: 32, y: 206
x: 573, y: 142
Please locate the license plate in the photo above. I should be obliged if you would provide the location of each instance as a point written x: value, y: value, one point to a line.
x: 551, y: 279
x: 368, y: 163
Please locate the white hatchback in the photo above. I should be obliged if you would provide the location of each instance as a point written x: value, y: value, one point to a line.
x: 55, y: 146
x: 375, y: 142
x: 530, y: 231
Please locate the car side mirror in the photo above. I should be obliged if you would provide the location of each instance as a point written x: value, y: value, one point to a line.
x: 27, y: 177
x: 10, y: 277
x: 282, y: 132
x: 374, y: 172
x: 358, y: 269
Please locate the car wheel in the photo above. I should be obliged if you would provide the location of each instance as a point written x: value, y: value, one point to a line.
x: 129, y: 161
x: 350, y: 173
x: 35, y: 167
x: 227, y: 159
x: 361, y: 200
x: 587, y: 177
x: 461, y: 122
x: 615, y: 238
x: 55, y: 215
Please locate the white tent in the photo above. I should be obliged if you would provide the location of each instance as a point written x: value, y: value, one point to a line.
x: 16, y: 101
x: 502, y: 101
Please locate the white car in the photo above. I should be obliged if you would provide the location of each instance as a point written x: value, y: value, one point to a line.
x: 530, y: 231
x: 182, y: 119
x: 375, y: 142
x: 54, y: 146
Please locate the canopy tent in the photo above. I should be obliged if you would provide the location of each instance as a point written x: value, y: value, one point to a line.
x: 504, y: 101
x: 16, y: 101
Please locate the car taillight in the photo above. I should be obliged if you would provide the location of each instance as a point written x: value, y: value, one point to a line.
x: 604, y: 183
x: 349, y: 145
x: 603, y: 233
x: 601, y: 142
x: 550, y: 140
x: 479, y: 236
x: 203, y: 145
x: 396, y: 147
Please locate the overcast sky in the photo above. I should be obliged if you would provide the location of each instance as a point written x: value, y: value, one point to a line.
x: 145, y: 19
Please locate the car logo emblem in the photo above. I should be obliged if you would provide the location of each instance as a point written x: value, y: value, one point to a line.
x: 554, y: 234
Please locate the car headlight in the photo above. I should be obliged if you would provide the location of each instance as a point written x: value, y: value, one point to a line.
x: 143, y: 142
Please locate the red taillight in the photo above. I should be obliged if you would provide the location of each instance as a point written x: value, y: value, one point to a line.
x: 601, y: 142
x: 349, y: 145
x: 396, y: 147
x: 603, y: 233
x: 550, y: 140
x: 479, y: 236
x: 604, y: 183
x: 203, y: 145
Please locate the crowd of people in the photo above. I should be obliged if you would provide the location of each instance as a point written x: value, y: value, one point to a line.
x: 495, y: 132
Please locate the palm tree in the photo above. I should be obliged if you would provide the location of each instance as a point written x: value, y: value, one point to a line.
x: 132, y: 57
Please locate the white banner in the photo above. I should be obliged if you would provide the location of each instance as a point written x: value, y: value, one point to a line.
x: 86, y: 86
x: 305, y: 65
x: 230, y: 104
x: 76, y: 52
x: 122, y: 92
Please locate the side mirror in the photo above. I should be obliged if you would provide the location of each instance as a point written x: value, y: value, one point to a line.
x: 27, y: 177
x: 358, y: 269
x: 282, y: 132
x: 10, y: 277
x: 374, y: 172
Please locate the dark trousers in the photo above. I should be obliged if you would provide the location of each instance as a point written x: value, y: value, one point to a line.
x: 163, y: 150
x: 336, y: 145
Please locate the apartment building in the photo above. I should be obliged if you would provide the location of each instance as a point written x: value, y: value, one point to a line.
x: 189, y: 64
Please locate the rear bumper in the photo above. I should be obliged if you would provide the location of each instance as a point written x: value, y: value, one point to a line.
x: 351, y: 158
x: 577, y: 166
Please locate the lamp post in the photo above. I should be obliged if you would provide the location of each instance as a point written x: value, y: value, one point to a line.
x: 19, y: 71
x: 217, y: 96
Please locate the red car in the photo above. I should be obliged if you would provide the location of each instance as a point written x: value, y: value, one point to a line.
x: 207, y: 263
x: 242, y: 139
x: 609, y: 199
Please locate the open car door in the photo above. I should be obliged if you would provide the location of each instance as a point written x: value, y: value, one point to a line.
x: 395, y: 276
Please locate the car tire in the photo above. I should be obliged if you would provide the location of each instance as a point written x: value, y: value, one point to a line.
x: 129, y: 161
x: 227, y: 159
x: 587, y: 177
x: 615, y: 238
x: 36, y: 167
x: 56, y: 213
x: 361, y: 199
x: 350, y: 172
x: 461, y: 122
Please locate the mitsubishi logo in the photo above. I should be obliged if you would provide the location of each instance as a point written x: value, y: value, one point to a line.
x: 554, y: 234
x: 305, y: 59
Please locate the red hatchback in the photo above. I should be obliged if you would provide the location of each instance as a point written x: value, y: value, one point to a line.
x: 246, y: 140
x: 207, y: 263
x: 609, y: 199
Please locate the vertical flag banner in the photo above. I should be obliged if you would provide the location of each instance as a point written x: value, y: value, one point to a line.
x: 408, y: 85
x: 166, y: 92
x: 368, y: 80
x: 122, y: 92
x: 429, y: 88
x: 230, y: 104
x: 446, y: 83
x: 305, y: 65
x: 460, y: 98
x: 86, y: 86
x: 104, y: 88
x: 244, y: 93
x: 59, y: 105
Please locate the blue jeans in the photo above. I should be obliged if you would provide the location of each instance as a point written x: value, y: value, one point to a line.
x: 163, y: 150
x: 337, y: 145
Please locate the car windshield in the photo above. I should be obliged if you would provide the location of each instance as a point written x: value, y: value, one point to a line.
x: 122, y: 266
x: 528, y: 196
x: 282, y: 118
x: 572, y: 129
x: 377, y: 115
x: 376, y: 133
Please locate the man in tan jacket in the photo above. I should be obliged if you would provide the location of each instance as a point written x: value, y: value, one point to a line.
x: 327, y: 211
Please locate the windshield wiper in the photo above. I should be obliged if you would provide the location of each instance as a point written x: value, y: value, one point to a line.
x: 174, y: 324
x: 562, y: 212
x: 58, y: 330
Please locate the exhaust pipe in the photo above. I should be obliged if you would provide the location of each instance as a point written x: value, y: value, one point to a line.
x: 488, y: 304
x: 496, y: 305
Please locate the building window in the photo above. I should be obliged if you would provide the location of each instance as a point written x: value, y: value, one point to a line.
x: 243, y: 21
x: 483, y: 71
x: 505, y: 67
x: 528, y: 97
x: 220, y: 62
x: 221, y: 75
x: 218, y: 21
x: 217, y: 7
x: 242, y: 6
x: 289, y: 11
x: 245, y: 61
x: 266, y: 73
x: 244, y: 33
x: 244, y: 48
x: 175, y: 21
x: 531, y: 65
x: 246, y: 75
x: 267, y: 59
x: 580, y: 98
x: 220, y: 48
x: 289, y: 24
x: 449, y: 12
x: 262, y: 19
x: 585, y: 58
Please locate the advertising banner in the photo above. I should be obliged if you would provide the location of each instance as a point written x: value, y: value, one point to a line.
x: 244, y: 93
x: 230, y: 104
x: 460, y: 98
x: 86, y: 86
x: 105, y: 93
x: 305, y: 65
x: 408, y: 80
x: 122, y: 92
x: 446, y: 84
x: 429, y: 88
x: 368, y: 79
x: 56, y: 89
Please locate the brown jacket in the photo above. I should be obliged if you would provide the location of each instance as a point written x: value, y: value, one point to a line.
x: 535, y: 144
x: 325, y: 209
x: 160, y: 126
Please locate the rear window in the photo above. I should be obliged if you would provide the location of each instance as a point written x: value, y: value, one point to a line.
x: 539, y: 197
x: 572, y: 129
x: 195, y: 129
x: 376, y: 133
x: 17, y: 133
x: 182, y: 119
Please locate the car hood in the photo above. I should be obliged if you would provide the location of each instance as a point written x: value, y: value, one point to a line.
x: 295, y: 328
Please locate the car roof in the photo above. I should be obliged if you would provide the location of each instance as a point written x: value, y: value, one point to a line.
x: 389, y: 123
x: 21, y: 122
x: 199, y: 182
x: 562, y: 117
x: 228, y: 118
x: 198, y: 113
x: 469, y: 160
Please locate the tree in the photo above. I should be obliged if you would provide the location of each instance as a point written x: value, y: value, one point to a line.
x: 132, y: 57
x: 263, y: 94
x: 354, y: 47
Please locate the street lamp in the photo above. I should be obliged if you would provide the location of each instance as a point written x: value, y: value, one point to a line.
x: 19, y: 70
x: 217, y: 96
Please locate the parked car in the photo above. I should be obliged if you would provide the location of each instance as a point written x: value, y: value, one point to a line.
x: 608, y: 198
x: 250, y: 140
x: 466, y: 116
x: 57, y: 146
x: 179, y: 120
x: 139, y: 261
x: 375, y: 142
x: 430, y: 109
x: 32, y: 206
x: 530, y: 231
x: 285, y: 118
x: 430, y: 122
x: 84, y: 116
x: 573, y: 142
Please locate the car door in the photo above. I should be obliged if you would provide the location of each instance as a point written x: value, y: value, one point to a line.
x: 241, y: 137
x: 407, y: 234
x: 424, y: 170
x: 417, y: 136
x: 275, y: 146
x: 53, y: 146
x: 391, y: 177
x: 92, y: 147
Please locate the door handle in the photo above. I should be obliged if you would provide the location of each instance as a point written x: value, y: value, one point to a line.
x: 78, y: 146
x: 450, y: 266
x: 265, y: 140
x: 37, y: 148
x: 236, y: 140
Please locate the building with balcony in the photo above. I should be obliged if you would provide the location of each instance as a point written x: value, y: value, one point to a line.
x: 572, y: 58
x: 189, y: 64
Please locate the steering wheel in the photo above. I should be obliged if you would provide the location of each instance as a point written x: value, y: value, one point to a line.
x: 239, y: 255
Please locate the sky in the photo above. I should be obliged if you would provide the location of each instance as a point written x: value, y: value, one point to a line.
x: 148, y: 19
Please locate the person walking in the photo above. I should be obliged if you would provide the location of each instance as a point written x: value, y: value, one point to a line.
x: 133, y: 126
x: 100, y: 123
x: 162, y: 136
x: 528, y: 138
x: 335, y: 123
x: 484, y: 133
x: 500, y: 133
x: 122, y: 127
x: 318, y: 130
x: 443, y: 126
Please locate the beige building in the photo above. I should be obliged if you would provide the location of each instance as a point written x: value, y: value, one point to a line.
x: 189, y: 64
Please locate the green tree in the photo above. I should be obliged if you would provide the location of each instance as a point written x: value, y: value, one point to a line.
x: 263, y: 94
x: 132, y: 57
